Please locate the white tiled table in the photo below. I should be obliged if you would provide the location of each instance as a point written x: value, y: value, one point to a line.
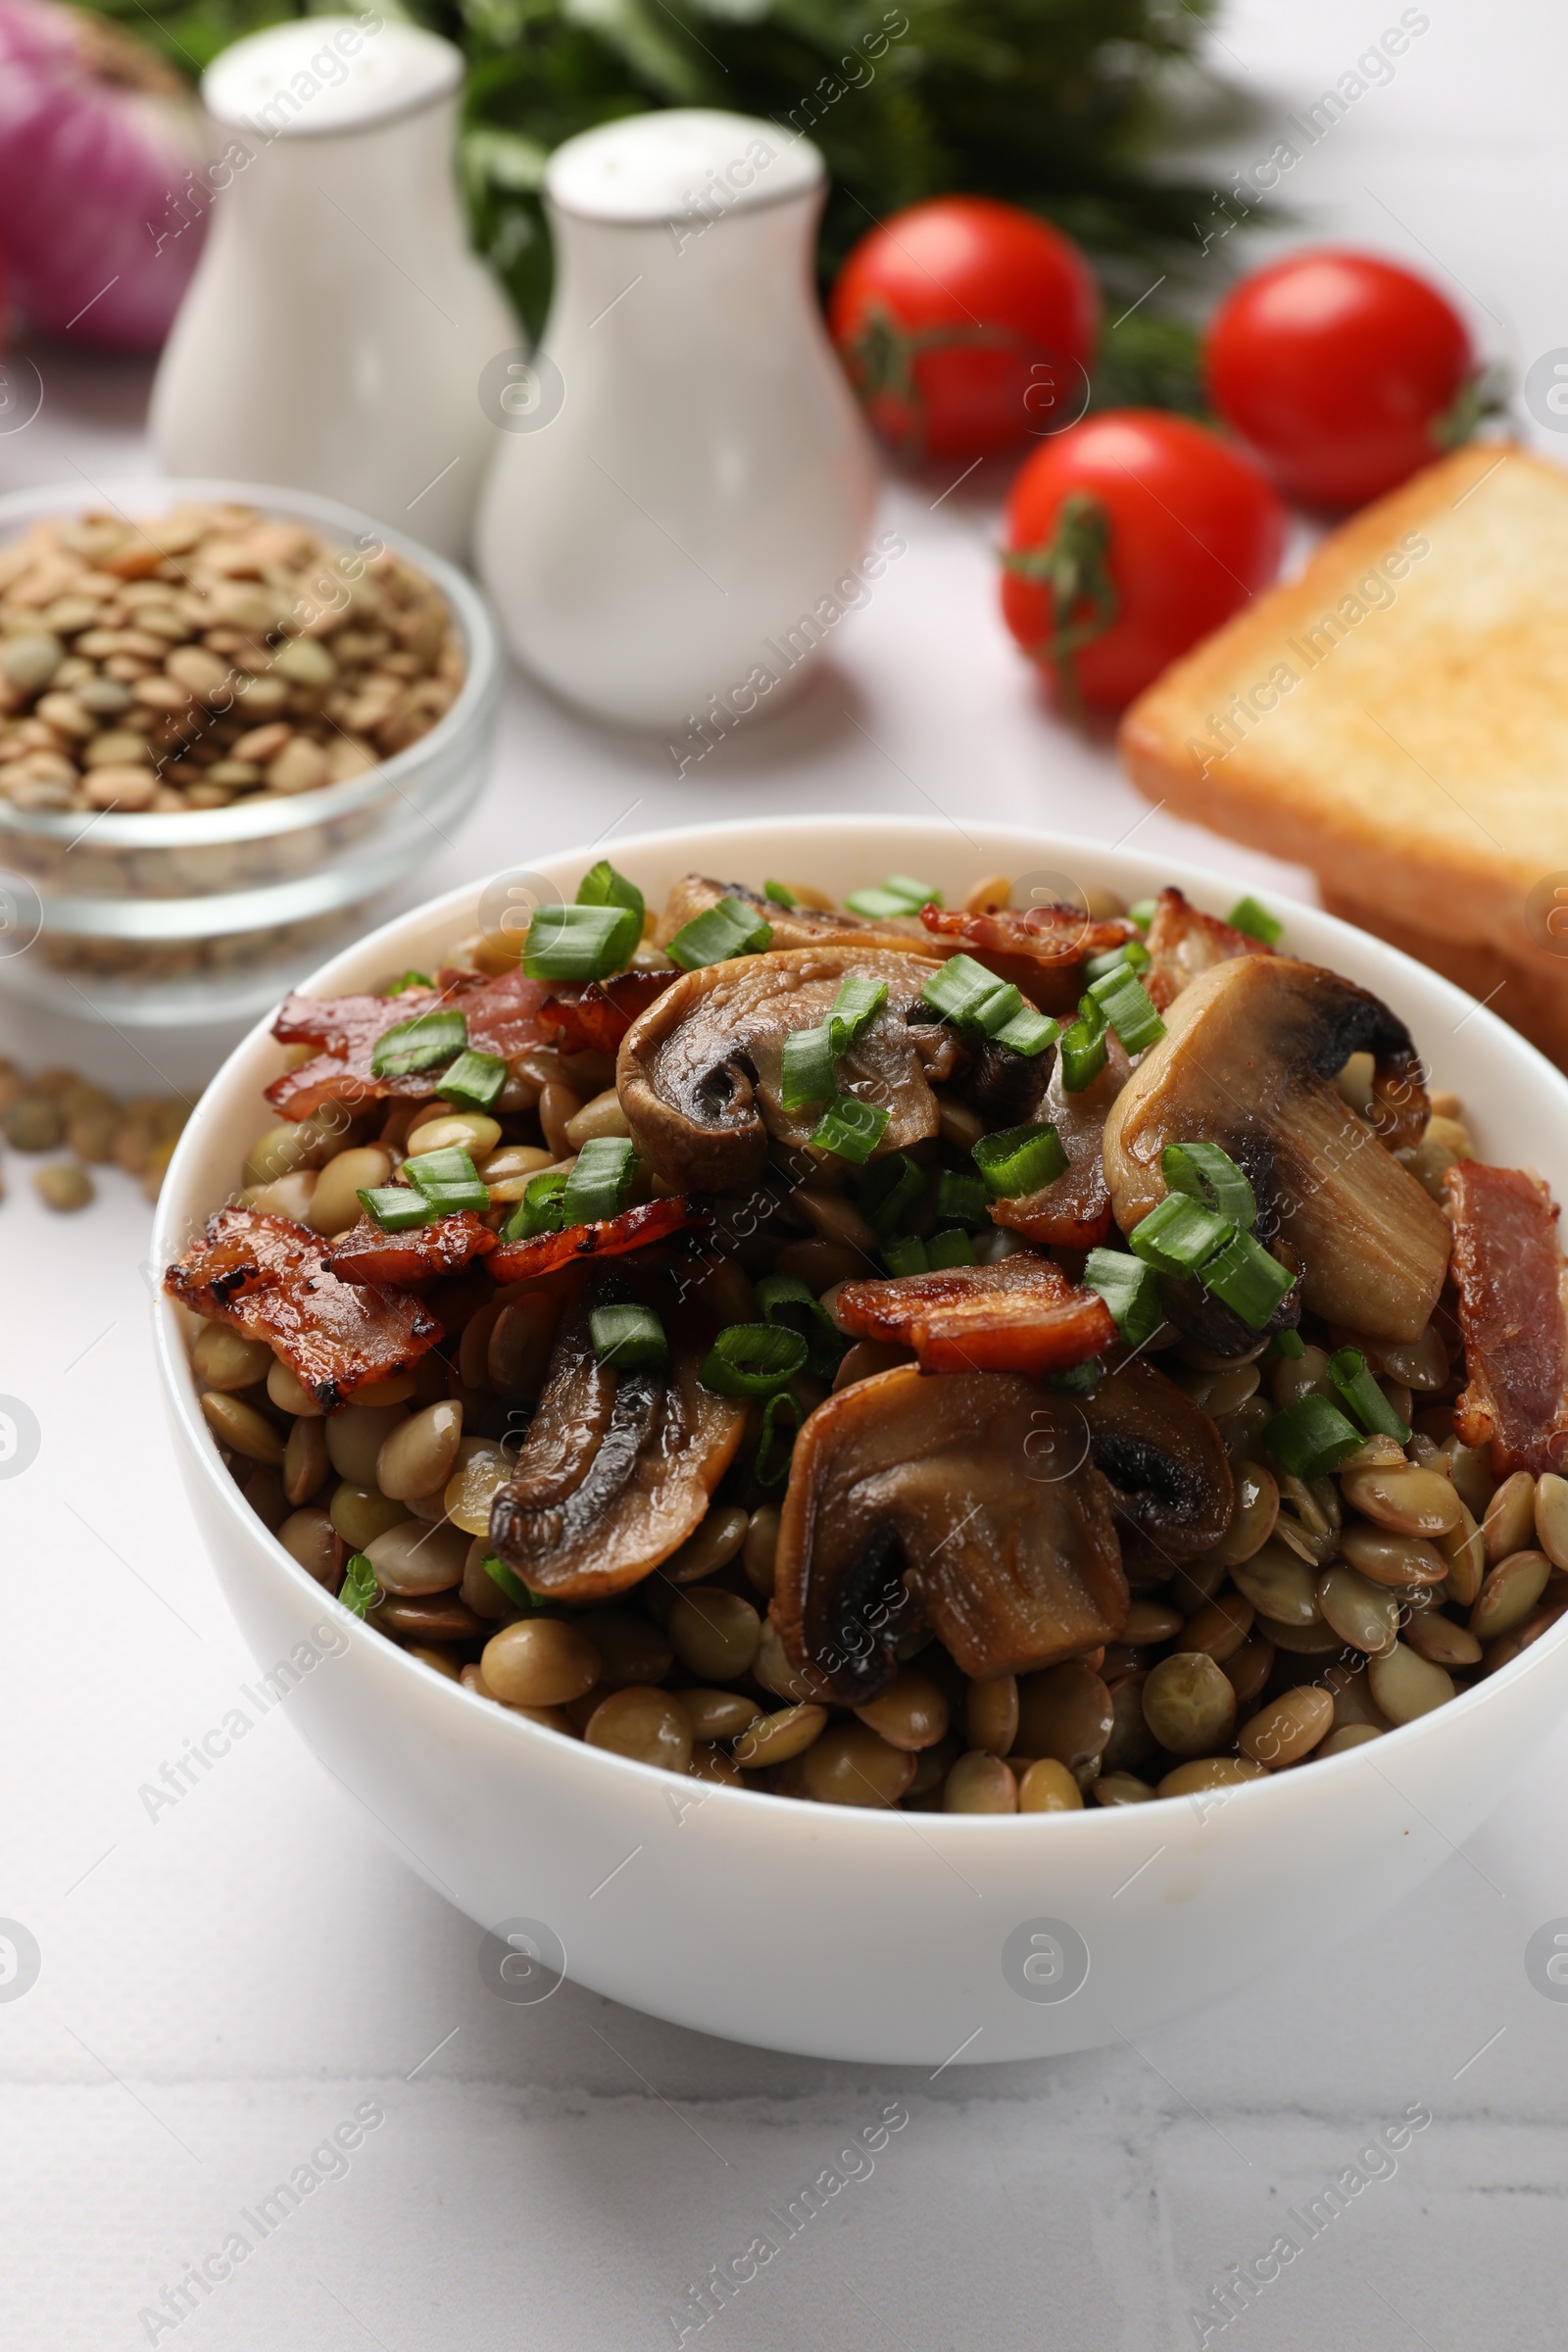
x: 226, y: 1979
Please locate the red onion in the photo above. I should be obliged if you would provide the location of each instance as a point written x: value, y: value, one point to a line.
x: 98, y: 140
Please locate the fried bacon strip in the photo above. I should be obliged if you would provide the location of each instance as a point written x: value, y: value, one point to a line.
x: 1041, y: 950
x: 501, y: 1013
x: 268, y: 1278
x: 633, y: 1229
x: 595, y: 1017
x: 1182, y: 942
x: 1513, y: 1314
x: 444, y: 1245
x: 1022, y: 1315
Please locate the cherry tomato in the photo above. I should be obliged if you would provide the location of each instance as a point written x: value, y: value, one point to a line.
x: 1128, y: 538
x: 965, y: 326
x: 1342, y: 372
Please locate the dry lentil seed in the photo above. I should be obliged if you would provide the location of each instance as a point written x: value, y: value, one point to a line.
x: 1405, y: 1685
x: 1149, y: 1621
x: 717, y: 1714
x: 1509, y: 1646
x: 32, y: 1123
x: 1510, y: 1517
x: 1121, y: 1789
x: 648, y: 1725
x: 354, y: 1440
x: 911, y: 1713
x: 1303, y: 1375
x: 713, y: 1633
x: 334, y: 1205
x: 1258, y: 1507
x: 1290, y: 1728
x: 309, y: 1538
x: 557, y: 1106
x: 1132, y: 1745
x: 1196, y: 1583
x: 716, y: 1764
x: 439, y: 1660
x: 288, y: 1394
x: 305, y: 1463
x: 1394, y: 1559
x: 1188, y: 1704
x: 1464, y: 1556
x: 1280, y: 1585
x: 1219, y: 1628
x: 1470, y: 1468
x: 1348, y: 1736
x: 1358, y: 1611
x: 1432, y: 1636
x: 1509, y: 1594
x: 63, y: 1187
x: 981, y: 1782
x: 1065, y: 1711
x: 836, y: 1219
x: 819, y: 1264
x: 991, y: 1714
x: 540, y: 1662
x: 413, y: 1559
x: 288, y: 1196
x: 1316, y: 1640
x: 224, y: 1359
x: 240, y: 1427
x: 470, y: 1131
x: 1250, y: 1666
x: 360, y: 1514
x: 482, y: 1469
x: 417, y: 1456
x: 1203, y: 1773
x: 850, y: 1764
x: 780, y: 1737
x: 713, y: 1547
x: 1551, y: 1517
x: 630, y: 1649
x: 600, y: 1115
x: 777, y: 1673
x: 760, y: 1548
x: 1406, y: 1501
x: 1048, y: 1786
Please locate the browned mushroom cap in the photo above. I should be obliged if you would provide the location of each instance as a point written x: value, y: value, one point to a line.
x: 1247, y: 1062
x: 617, y: 1468
x: 944, y: 1499
x: 795, y: 926
x: 699, y: 1071
x: 1165, y: 1462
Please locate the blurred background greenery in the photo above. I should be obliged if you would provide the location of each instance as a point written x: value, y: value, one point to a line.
x: 1052, y: 104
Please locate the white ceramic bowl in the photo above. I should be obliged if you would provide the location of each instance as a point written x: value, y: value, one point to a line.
x: 889, y: 1938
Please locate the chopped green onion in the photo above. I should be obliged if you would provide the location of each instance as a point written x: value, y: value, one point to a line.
x: 893, y: 1190
x: 358, y: 1590
x: 396, y: 1206
x: 766, y: 1475
x: 776, y: 1292
x: 1311, y: 1438
x: 754, y: 1359
x: 961, y: 1200
x: 899, y: 895
x: 1129, y: 1009
x: 1083, y: 1047
x: 1289, y: 1344
x: 516, y: 1590
x: 474, y: 1080
x: 630, y: 1338
x: 1132, y: 956
x: 1255, y: 920
x: 1130, y: 1289
x: 449, y: 1181
x: 965, y: 993
x: 602, y: 886
x: 855, y: 1006
x: 599, y: 1185
x: 1142, y: 912
x: 780, y: 894
x: 806, y: 1073
x: 731, y: 928
x: 580, y: 943
x: 1021, y: 1159
x: 950, y: 1248
x: 1249, y: 1281
x: 422, y: 1044
x: 850, y: 1128
x: 409, y: 979
x: 1028, y: 1032
x: 541, y: 1208
x: 1206, y: 1173
x: 906, y: 1256
x: 1179, y: 1235
x: 1367, y: 1401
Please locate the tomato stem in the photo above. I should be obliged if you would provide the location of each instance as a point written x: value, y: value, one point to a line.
x: 883, y: 352
x: 1072, y: 568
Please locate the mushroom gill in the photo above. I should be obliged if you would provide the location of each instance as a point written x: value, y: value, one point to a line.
x: 967, y: 1502
x: 1247, y: 1062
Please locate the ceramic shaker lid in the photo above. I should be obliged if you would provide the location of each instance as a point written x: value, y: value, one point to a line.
x: 329, y: 74
x: 680, y: 162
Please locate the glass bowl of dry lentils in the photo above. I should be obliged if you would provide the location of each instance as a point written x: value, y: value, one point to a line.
x: 229, y: 719
x: 912, y: 1348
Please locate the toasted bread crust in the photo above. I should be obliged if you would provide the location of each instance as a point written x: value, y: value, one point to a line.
x: 1397, y: 719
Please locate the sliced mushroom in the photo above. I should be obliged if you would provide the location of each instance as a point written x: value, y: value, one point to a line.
x: 699, y: 1072
x: 1249, y: 1062
x: 794, y: 926
x: 967, y: 1501
x: 1074, y: 1211
x: 617, y: 1468
x: 1165, y: 1463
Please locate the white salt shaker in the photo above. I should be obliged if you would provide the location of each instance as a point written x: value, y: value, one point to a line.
x: 685, y: 475
x: 337, y: 325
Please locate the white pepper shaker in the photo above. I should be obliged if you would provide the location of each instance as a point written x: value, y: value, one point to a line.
x: 337, y: 325
x: 684, y: 474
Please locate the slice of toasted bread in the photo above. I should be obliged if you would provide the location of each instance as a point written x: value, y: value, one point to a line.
x: 1397, y: 719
